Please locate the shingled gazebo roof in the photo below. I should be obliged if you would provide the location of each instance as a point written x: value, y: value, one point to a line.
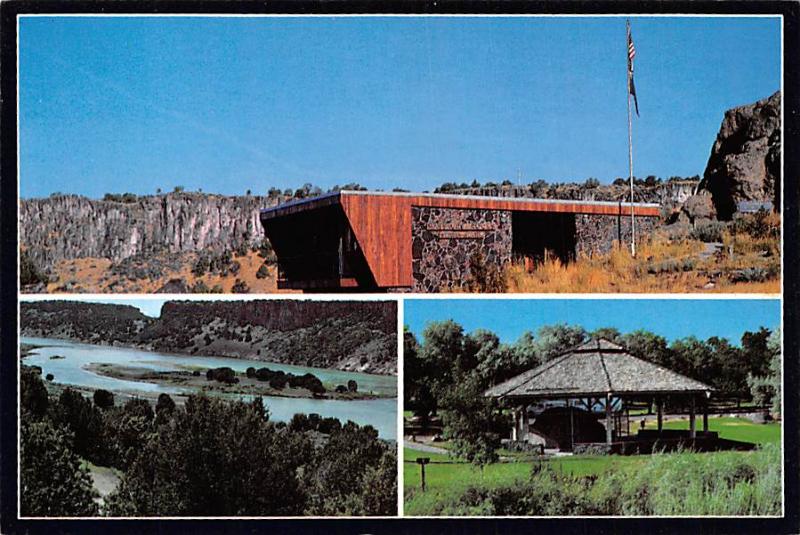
x: 595, y: 368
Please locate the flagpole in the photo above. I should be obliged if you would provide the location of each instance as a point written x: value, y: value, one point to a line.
x: 630, y: 141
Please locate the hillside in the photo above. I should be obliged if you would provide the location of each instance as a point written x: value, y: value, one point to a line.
x: 352, y: 336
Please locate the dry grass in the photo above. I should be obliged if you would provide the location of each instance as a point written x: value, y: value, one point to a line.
x: 661, y: 266
x: 93, y: 275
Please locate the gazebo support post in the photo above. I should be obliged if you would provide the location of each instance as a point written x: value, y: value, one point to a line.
x: 705, y: 417
x: 609, y: 421
x: 525, y: 422
x: 515, y: 427
x: 660, y: 411
x: 692, y: 426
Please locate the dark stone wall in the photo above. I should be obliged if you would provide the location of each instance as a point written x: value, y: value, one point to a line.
x: 596, y: 234
x: 444, y: 239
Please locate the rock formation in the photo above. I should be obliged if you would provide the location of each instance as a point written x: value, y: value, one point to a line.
x: 69, y: 226
x: 745, y: 161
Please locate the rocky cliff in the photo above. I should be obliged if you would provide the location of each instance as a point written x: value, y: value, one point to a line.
x: 69, y: 226
x: 745, y: 161
x: 668, y: 194
x: 345, y: 335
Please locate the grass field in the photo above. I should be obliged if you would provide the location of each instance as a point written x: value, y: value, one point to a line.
x: 734, y: 429
x: 444, y: 482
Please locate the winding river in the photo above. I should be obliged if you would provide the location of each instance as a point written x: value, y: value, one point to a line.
x: 71, y: 370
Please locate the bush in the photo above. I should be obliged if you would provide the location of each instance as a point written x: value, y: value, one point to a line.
x: 103, y: 398
x: 484, y: 276
x: 49, y: 377
x: 29, y: 273
x: 755, y: 274
x: 759, y: 225
x: 165, y: 404
x: 223, y: 375
x: 352, y: 386
x: 278, y: 382
x: 671, y: 265
x: 708, y: 231
x: 240, y: 287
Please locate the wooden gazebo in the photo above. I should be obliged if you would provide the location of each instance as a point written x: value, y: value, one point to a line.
x: 601, y: 373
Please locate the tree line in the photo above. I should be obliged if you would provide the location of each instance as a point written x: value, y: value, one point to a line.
x: 209, y: 457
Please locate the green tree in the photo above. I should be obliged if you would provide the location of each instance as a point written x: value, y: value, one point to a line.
x: 478, y: 347
x: 609, y: 333
x: 649, y: 346
x: 214, y: 458
x: 84, y: 421
x: 164, y: 404
x: 766, y: 389
x: 553, y: 340
x: 756, y: 352
x: 33, y: 393
x: 52, y: 482
x: 379, y: 487
x: 417, y: 391
x: 471, y: 423
x: 103, y: 398
x: 335, y: 481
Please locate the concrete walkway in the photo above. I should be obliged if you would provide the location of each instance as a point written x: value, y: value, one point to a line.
x: 418, y: 446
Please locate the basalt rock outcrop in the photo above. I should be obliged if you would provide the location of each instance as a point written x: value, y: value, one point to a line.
x: 668, y: 194
x: 745, y: 161
x: 70, y: 226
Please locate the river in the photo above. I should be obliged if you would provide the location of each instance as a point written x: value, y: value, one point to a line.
x: 379, y: 413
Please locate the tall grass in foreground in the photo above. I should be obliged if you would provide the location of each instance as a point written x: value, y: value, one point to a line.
x: 679, y: 483
x: 661, y: 265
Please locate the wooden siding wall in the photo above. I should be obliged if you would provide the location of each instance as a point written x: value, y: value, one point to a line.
x: 382, y: 225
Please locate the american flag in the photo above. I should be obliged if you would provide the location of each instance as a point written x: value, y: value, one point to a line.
x: 631, y: 55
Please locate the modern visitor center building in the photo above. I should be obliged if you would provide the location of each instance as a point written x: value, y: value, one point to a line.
x: 600, y: 380
x: 376, y: 241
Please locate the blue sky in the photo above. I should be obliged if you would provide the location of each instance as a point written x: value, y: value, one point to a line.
x: 672, y: 319
x: 230, y: 104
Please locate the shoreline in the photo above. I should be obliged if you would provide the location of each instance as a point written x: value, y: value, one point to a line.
x: 199, y: 383
x: 116, y: 344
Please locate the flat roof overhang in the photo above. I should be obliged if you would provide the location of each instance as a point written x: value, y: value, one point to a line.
x: 381, y: 221
x: 442, y: 200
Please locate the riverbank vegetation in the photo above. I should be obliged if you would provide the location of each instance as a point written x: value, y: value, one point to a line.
x: 208, y: 457
x: 253, y: 382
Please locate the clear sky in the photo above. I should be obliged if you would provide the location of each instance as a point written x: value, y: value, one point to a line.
x: 230, y: 104
x: 672, y: 319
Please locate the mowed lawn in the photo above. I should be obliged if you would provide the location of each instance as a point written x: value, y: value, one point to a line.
x: 453, y: 479
x: 733, y: 429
